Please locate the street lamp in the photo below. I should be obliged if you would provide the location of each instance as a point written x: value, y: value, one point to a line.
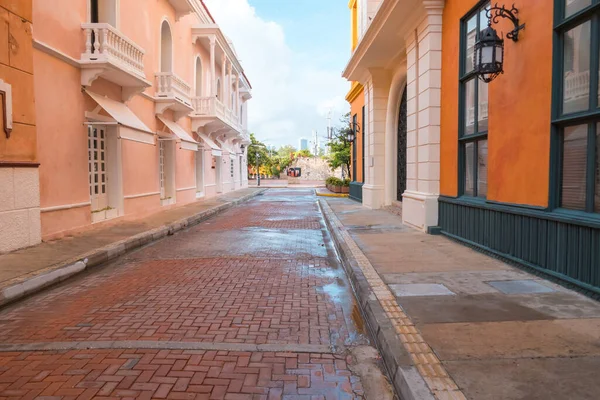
x: 488, y: 62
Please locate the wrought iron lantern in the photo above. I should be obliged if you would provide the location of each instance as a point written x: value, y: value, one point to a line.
x: 351, y: 134
x: 488, y: 61
x: 489, y: 55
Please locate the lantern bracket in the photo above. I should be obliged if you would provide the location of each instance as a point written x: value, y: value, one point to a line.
x: 496, y: 12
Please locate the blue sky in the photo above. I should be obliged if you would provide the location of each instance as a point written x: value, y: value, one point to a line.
x: 293, y: 52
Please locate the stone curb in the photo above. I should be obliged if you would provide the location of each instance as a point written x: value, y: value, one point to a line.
x: 94, y: 258
x: 404, y: 376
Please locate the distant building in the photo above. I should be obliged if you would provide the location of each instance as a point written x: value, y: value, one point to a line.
x: 303, y: 144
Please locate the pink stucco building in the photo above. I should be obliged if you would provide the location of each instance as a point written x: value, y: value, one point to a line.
x: 139, y: 105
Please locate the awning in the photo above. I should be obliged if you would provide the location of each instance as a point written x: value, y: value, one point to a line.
x: 216, y: 151
x: 136, y: 129
x: 187, y: 142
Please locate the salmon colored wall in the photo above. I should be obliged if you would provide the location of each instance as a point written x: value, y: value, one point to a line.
x: 519, y: 107
x: 58, y: 24
x: 356, y: 108
x: 185, y: 168
x: 142, y: 205
x: 56, y: 223
x: 61, y: 129
x: 140, y: 168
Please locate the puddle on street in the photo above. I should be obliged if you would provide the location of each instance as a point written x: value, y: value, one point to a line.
x: 358, y: 320
x: 337, y: 291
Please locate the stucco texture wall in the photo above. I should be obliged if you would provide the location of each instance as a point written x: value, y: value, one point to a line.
x: 519, y: 107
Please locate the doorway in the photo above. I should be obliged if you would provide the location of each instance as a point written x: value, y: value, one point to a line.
x: 200, y: 173
x: 103, y: 172
x: 401, y: 160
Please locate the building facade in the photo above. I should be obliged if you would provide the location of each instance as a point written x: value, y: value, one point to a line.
x: 510, y: 166
x: 19, y: 174
x: 142, y: 105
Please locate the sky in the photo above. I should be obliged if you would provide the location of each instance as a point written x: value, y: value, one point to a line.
x: 293, y: 52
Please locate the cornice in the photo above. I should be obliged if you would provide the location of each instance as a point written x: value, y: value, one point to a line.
x: 354, y: 92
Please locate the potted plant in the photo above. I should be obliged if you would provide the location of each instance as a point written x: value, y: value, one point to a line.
x: 346, y: 186
x: 334, y: 184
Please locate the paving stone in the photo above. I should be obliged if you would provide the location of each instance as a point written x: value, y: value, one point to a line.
x: 520, y: 286
x: 420, y: 289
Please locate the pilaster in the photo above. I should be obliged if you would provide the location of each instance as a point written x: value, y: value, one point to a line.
x: 376, y: 100
x: 424, y: 59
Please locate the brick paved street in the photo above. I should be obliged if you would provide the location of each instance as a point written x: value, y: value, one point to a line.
x: 251, y: 304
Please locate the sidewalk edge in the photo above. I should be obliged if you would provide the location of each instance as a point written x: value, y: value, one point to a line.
x: 94, y: 258
x: 404, y: 375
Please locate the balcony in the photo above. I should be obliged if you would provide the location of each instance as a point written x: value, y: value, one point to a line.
x: 112, y: 56
x: 173, y: 93
x: 212, y: 112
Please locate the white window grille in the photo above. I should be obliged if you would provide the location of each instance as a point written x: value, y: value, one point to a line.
x: 97, y: 167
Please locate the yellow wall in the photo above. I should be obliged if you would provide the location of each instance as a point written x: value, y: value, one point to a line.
x: 519, y: 107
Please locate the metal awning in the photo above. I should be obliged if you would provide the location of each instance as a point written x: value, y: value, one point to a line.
x: 187, y: 142
x: 136, y: 129
x: 216, y: 151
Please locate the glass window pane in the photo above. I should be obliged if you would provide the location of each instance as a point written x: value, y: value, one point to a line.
x: 482, y: 107
x: 576, y: 80
x: 470, y: 107
x: 574, y: 167
x: 469, y: 160
x: 572, y: 6
x: 597, y: 197
x: 483, y: 20
x: 482, y: 167
x: 471, y: 37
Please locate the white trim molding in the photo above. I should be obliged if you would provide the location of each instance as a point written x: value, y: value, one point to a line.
x: 137, y: 196
x: 65, y: 207
x: 188, y: 188
x: 6, y: 94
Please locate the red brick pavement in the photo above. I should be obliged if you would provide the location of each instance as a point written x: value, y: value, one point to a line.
x: 164, y: 374
x: 209, y: 300
x: 258, y: 274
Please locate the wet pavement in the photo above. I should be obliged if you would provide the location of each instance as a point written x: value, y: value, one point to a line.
x: 251, y: 304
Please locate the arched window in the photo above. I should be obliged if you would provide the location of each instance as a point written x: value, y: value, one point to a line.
x: 219, y: 88
x: 166, y: 48
x: 198, y: 77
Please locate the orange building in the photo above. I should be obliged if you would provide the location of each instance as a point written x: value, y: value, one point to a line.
x: 520, y: 169
x: 507, y: 162
x: 357, y: 115
x: 19, y: 177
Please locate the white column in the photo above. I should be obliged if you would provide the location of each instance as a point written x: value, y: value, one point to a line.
x: 236, y: 105
x: 229, y: 82
x: 223, y: 84
x: 376, y: 98
x: 420, y: 206
x: 213, y: 75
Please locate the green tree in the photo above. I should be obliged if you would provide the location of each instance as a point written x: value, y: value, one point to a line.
x: 286, y: 151
x: 258, y: 147
x: 339, y: 147
x: 304, y: 153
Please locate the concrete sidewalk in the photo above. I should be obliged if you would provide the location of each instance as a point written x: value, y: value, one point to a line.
x: 454, y: 323
x: 26, y: 271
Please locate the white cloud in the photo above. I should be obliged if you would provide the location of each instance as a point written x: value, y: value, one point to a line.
x: 291, y: 97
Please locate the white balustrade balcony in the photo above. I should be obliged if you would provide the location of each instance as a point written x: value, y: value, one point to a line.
x: 210, y: 108
x: 111, y: 55
x: 172, y: 92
